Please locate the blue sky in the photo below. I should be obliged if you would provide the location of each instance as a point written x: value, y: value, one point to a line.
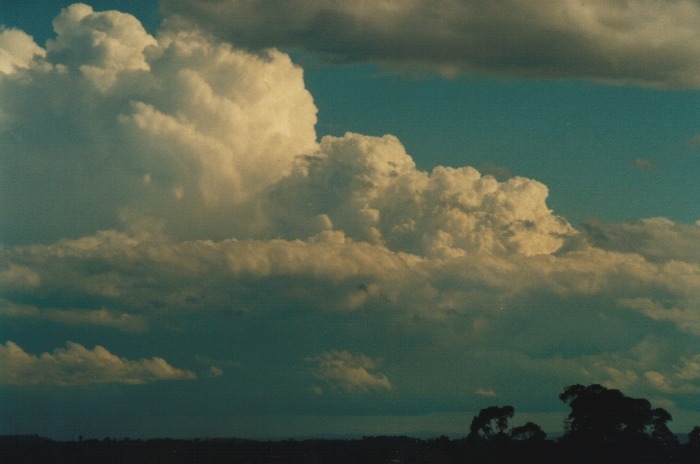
x: 402, y: 214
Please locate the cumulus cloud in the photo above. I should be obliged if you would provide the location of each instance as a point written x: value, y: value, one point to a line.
x: 192, y: 135
x: 77, y: 365
x: 350, y: 372
x: 643, y: 42
x: 115, y: 125
x: 17, y: 50
x: 369, y: 188
x: 99, y: 45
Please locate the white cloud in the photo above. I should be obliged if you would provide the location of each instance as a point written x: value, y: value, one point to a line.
x: 77, y: 365
x: 644, y: 42
x: 17, y: 50
x: 350, y: 372
x: 196, y: 135
x: 113, y: 123
x: 99, y: 45
x: 369, y: 188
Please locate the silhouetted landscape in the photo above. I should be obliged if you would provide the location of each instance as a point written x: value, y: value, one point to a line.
x: 604, y: 426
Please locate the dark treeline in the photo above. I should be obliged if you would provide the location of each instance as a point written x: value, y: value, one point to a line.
x: 604, y: 426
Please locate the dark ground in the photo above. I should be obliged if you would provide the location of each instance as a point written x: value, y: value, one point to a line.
x: 369, y: 450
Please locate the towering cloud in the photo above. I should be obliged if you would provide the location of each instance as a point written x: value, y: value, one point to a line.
x: 644, y: 42
x: 370, y: 189
x: 112, y: 125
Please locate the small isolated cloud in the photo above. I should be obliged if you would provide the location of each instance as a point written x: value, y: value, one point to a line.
x: 644, y: 42
x: 349, y: 372
x: 77, y: 365
x: 487, y: 393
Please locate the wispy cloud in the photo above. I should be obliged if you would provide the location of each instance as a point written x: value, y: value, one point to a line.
x: 485, y: 393
x: 100, y: 317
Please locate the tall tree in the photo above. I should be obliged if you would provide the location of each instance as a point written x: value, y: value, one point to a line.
x: 491, y: 422
x: 605, y: 414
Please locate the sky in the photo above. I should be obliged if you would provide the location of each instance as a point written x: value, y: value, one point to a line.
x: 274, y: 219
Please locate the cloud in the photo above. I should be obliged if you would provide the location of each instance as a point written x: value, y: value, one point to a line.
x: 686, y: 318
x: 17, y: 50
x: 169, y: 182
x: 369, y: 188
x: 654, y: 238
x: 99, y: 45
x: 487, y: 393
x: 350, y: 372
x: 99, y: 317
x: 77, y: 365
x: 612, y: 42
x: 115, y: 125
x: 186, y: 135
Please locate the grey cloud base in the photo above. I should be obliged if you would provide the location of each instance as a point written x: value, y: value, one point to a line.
x: 640, y: 42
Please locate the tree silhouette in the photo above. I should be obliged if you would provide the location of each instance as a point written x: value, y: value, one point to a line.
x: 660, y: 431
x: 694, y: 437
x: 491, y: 422
x: 606, y: 426
x: 604, y: 414
x: 528, y: 432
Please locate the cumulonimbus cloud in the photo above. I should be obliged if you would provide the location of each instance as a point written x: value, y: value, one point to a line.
x: 642, y: 42
x: 77, y: 365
